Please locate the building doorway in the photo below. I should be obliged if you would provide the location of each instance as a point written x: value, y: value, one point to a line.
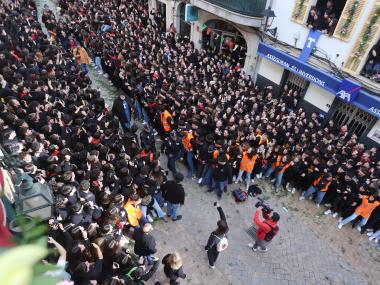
x: 161, y: 9
x: 357, y: 121
x: 295, y: 83
x: 223, y: 37
x: 184, y: 26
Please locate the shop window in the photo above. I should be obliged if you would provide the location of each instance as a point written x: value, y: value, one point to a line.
x: 371, y: 68
x: 220, y: 36
x: 325, y: 15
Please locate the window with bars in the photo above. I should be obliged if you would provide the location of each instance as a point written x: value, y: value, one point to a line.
x: 357, y: 121
x: 296, y: 83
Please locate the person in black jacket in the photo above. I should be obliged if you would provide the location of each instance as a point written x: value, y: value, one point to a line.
x: 173, y: 267
x: 221, y: 175
x: 173, y: 147
x: 140, y: 275
x: 123, y: 111
x: 174, y: 193
x: 147, y: 138
x: 216, y: 236
x: 145, y: 244
x: 87, y: 271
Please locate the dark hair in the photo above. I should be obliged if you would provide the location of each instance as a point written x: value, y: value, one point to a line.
x: 81, y: 268
x: 275, y: 217
x: 222, y: 228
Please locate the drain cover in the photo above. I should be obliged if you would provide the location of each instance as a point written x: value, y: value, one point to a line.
x: 251, y: 231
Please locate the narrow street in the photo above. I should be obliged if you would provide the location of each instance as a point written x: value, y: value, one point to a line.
x: 309, y: 249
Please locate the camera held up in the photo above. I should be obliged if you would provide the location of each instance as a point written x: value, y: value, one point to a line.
x: 261, y: 203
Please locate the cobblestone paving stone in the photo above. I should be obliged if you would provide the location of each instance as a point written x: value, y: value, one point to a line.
x: 299, y: 255
x: 309, y: 249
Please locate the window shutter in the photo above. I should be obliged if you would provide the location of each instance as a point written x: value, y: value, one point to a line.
x: 301, y: 10
x: 348, y: 19
x: 365, y: 41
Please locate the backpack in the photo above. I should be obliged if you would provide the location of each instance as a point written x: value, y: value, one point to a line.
x: 272, y: 233
x: 239, y: 195
x: 254, y: 190
x: 128, y: 277
x: 222, y: 244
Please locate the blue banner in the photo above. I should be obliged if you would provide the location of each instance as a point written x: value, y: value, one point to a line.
x: 344, y: 89
x: 310, y: 43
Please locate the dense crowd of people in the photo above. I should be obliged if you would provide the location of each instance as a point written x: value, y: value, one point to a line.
x: 107, y: 178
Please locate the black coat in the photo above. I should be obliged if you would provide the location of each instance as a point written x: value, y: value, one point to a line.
x: 172, y: 274
x: 145, y: 243
x: 173, y: 192
x: 118, y: 109
x: 222, y: 173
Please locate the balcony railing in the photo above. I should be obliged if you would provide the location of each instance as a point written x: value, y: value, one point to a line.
x: 252, y: 8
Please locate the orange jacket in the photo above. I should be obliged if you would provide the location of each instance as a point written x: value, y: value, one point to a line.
x: 365, y: 209
x: 284, y: 167
x: 277, y: 163
x: 186, y: 141
x: 247, y: 164
x: 164, y: 120
x: 134, y: 213
x: 215, y: 155
x: 324, y: 188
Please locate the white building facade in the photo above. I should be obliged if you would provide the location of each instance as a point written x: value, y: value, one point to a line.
x: 273, y: 53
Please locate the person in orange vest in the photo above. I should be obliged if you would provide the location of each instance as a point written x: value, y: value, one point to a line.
x: 166, y: 121
x: 188, y: 145
x: 247, y: 165
x: 369, y: 203
x: 279, y: 166
x: 320, y: 185
x: 134, y: 213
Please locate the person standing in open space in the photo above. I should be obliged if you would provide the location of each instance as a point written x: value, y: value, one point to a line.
x: 217, y: 242
x: 267, y: 229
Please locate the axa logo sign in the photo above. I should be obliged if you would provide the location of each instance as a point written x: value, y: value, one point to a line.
x: 344, y: 95
x: 348, y: 90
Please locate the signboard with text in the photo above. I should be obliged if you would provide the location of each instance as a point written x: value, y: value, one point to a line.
x: 310, y: 44
x: 344, y: 89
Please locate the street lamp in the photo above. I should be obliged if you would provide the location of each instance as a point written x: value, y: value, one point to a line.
x: 35, y: 199
x: 269, y: 17
x: 32, y: 199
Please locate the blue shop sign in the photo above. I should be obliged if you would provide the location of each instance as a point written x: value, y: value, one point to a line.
x: 300, y: 68
x: 344, y: 89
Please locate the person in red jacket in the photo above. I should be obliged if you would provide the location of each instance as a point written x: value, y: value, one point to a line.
x: 266, y: 230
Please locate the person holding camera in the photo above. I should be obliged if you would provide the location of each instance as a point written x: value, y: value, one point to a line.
x: 217, y: 241
x: 267, y: 229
